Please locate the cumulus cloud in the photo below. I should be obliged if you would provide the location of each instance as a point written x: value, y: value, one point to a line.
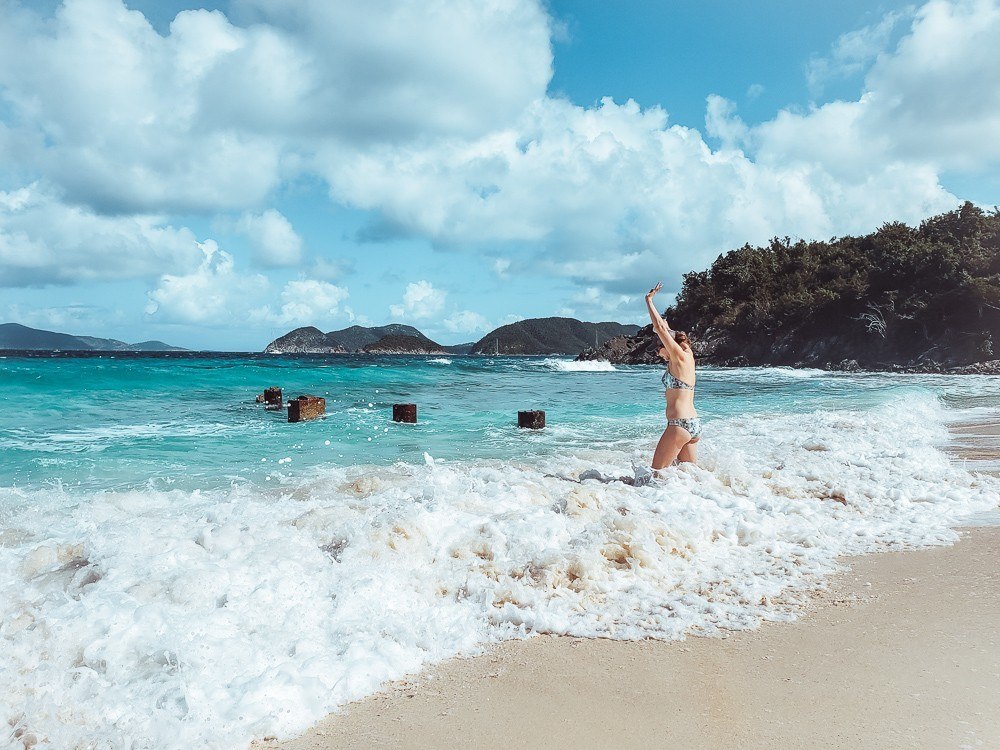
x: 211, y: 115
x: 434, y: 117
x: 307, y: 302
x: 274, y: 241
x: 420, y: 301
x: 213, y: 294
x: 854, y: 51
x: 73, y: 318
x: 466, y: 321
x: 597, y: 305
x: 580, y: 184
x: 43, y: 240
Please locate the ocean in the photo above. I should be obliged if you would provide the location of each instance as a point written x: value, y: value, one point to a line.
x: 181, y: 568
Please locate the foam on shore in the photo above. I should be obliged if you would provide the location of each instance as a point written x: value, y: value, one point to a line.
x: 203, y: 619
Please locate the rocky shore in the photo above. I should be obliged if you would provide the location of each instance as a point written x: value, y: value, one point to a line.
x: 720, y: 350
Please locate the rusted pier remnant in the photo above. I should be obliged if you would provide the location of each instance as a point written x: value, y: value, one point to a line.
x: 306, y: 407
x: 404, y: 413
x: 531, y: 420
x: 271, y: 398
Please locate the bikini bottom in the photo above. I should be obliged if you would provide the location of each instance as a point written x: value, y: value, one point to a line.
x: 692, y: 425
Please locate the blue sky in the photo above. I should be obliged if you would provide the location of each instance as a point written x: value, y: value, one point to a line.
x: 214, y: 179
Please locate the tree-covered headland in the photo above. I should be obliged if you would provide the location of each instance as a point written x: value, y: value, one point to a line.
x: 915, y: 297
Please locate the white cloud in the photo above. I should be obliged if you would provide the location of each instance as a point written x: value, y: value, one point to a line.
x: 434, y: 116
x: 577, y: 185
x: 854, y: 51
x: 307, y: 302
x: 274, y: 241
x: 78, y: 319
x: 466, y: 321
x: 43, y: 240
x: 722, y: 122
x: 212, y: 115
x: 597, y: 305
x: 501, y: 266
x: 420, y: 301
x: 214, y: 294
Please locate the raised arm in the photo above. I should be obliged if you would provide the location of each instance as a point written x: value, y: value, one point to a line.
x: 660, y: 325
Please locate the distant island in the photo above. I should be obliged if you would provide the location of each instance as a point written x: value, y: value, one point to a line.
x: 925, y: 298
x: 394, y: 338
x: 401, y: 344
x: 535, y: 336
x: 549, y: 336
x: 17, y: 336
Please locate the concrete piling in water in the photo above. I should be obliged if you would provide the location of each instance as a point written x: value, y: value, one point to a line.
x: 404, y: 413
x: 306, y: 407
x: 271, y: 398
x: 531, y: 420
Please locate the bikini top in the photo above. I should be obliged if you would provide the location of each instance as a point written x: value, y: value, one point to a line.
x: 669, y: 382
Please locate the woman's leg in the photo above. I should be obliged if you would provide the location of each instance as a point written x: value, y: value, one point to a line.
x: 672, y: 441
x: 689, y: 453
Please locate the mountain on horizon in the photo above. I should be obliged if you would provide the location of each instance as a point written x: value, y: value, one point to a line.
x: 17, y: 336
x: 549, y: 336
x: 532, y: 336
x: 311, y: 340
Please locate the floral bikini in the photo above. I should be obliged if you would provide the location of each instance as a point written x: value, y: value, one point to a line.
x: 691, y: 424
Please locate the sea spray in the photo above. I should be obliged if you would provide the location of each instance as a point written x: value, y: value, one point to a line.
x: 149, y: 618
x: 562, y: 365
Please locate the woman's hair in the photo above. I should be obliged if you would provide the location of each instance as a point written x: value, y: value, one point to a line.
x: 682, y: 338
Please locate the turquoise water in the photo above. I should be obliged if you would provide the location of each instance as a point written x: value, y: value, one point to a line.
x: 110, y: 422
x: 181, y: 568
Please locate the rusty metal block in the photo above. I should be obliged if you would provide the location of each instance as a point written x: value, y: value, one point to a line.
x: 404, y: 413
x: 306, y: 407
x: 271, y: 398
x: 531, y: 420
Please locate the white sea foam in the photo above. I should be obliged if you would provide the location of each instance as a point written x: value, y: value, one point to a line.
x: 755, y: 373
x: 440, y: 361
x: 197, y: 619
x: 563, y: 365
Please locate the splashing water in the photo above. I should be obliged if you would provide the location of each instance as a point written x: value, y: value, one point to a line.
x: 164, y: 587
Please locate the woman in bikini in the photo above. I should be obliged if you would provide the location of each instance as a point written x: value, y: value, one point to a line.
x: 683, y: 426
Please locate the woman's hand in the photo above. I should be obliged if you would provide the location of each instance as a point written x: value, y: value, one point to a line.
x: 652, y: 292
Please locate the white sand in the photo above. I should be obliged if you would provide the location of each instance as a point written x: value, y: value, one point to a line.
x: 911, y: 660
x: 902, y: 651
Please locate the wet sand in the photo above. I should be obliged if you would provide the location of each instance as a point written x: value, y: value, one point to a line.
x: 901, y: 651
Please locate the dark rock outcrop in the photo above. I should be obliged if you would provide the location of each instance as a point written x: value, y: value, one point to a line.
x: 549, y: 336
x: 854, y: 355
x: 980, y: 368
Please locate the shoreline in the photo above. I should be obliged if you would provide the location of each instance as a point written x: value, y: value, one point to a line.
x: 899, y: 650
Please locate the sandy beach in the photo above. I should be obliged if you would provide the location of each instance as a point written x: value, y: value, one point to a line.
x: 902, y: 650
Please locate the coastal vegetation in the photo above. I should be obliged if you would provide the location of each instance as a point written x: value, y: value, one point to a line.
x: 549, y: 336
x: 402, y: 344
x: 923, y: 297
